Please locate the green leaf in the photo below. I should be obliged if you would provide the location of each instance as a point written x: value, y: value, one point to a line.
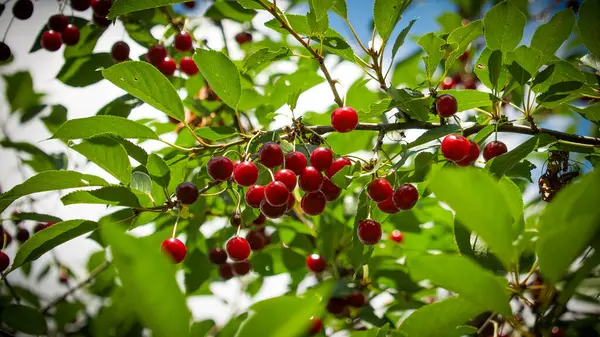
x: 434, y: 134
x: 318, y: 27
x: 37, y: 45
x: 19, y: 91
x: 144, y: 81
x: 198, y: 270
x: 401, y: 37
x: 121, y: 7
x: 591, y: 112
x: 527, y: 58
x: 551, y: 35
x: 221, y: 74
x: 82, y: 71
x: 501, y: 164
x: 504, y: 25
x: 49, y: 238
x: 589, y: 26
x: 82, y: 128
x: 591, y: 61
x: 432, y: 45
x: 110, y: 195
x: 89, y: 35
x: 573, y: 216
x: 160, y: 305
x: 229, y: 10
x: 341, y: 8
x: 142, y: 182
x: 202, y: 328
x: 386, y: 14
x: 494, y: 68
x: 411, y: 102
x: 159, y: 170
x: 35, y: 217
x: 493, y: 224
x: 320, y: 7
x: 464, y: 277
x: 24, y: 319
x: 460, y: 39
x: 408, y: 71
x: 440, y: 319
x: 252, y: 4
x: 39, y: 160
x: 362, y: 212
x: 483, y: 134
x: 120, y: 106
x: 265, y: 55
x: 107, y: 153
x: 49, y: 181
x: 57, y: 117
x: 469, y: 99
x: 482, y: 69
x: 216, y: 132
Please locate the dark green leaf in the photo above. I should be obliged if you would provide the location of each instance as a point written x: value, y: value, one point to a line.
x: 110, y: 195
x: 57, y: 117
x: 19, y: 91
x: 83, y: 128
x: 589, y: 25
x: 107, y: 153
x: 494, y: 68
x: 198, y: 270
x: 202, y: 328
x: 551, y: 35
x: 36, y: 217
x: 121, y: 7
x: 460, y: 39
x: 265, y: 55
x: 432, y: 45
x: 221, y: 74
x: 82, y: 71
x: 483, y: 134
x: 216, y: 132
x: 401, y: 37
x: 386, y: 14
x: 159, y: 170
x: 39, y: 160
x: 591, y: 112
x: 120, y: 106
x: 411, y: 102
x: 24, y: 319
x: 89, y: 35
x: 229, y: 10
x: 504, y: 26
x: 483, y: 72
x: 434, y: 134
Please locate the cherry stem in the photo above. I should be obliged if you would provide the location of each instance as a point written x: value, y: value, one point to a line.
x: 176, y: 223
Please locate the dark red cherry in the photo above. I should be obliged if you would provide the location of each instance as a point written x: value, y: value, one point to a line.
x: 226, y: 271
x: 220, y: 168
x: 167, y: 66
x: 337, y: 165
x: 238, y: 248
x: 331, y: 191
x: 255, y: 195
x: 336, y: 306
x: 80, y: 5
x: 295, y: 161
x: 344, y: 119
x: 379, y: 190
x: 557, y: 332
x: 316, y: 325
x: 235, y: 220
x: 101, y: 21
x: 70, y: 36
x: 23, y: 9
x: 22, y: 234
x: 471, y: 157
x: 310, y: 179
x: 101, y: 7
x: 287, y: 177
x: 42, y: 226
x: 270, y: 155
x: 316, y: 263
x: 175, y: 249
x: 397, y: 236
x: 448, y: 83
x: 243, y: 38
x: 217, y: 256
x: 387, y: 206
x: 356, y: 299
x: 51, y: 40
x: 455, y: 147
x: 5, y: 52
x: 120, y: 51
x: 245, y: 173
x: 261, y: 219
x: 256, y: 239
x: 190, y: 4
x: 156, y: 54
x: 276, y: 193
x: 188, y: 66
x: 321, y: 158
x: 494, y: 149
x: 241, y: 268
x: 405, y: 196
x: 183, y: 41
x: 187, y: 193
x: 446, y: 105
x: 369, y: 232
x: 58, y: 22
x: 313, y: 203
x: 4, y: 261
x: 273, y: 212
x: 290, y: 203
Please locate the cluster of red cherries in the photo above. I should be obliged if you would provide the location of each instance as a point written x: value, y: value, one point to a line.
x: 22, y: 235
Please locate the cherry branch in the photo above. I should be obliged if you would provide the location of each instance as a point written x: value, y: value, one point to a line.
x: 11, y: 289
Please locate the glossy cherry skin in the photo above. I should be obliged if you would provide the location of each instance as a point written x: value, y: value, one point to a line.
x: 321, y: 158
x: 379, y: 190
x: 446, y: 105
x: 261, y: 219
x: 238, y: 249
x: 243, y: 38
x: 70, y: 36
x: 316, y: 263
x: 4, y: 261
x: 448, y: 83
x: 101, y: 21
x: 313, y: 203
x: 241, y: 268
x: 337, y: 165
x: 287, y: 177
x: 494, y: 149
x: 290, y: 203
x: 23, y: 9
x: 120, y: 51
x: 557, y: 332
x: 255, y: 195
x: 58, y: 22
x: 316, y: 325
x: 188, y: 66
x: 167, y: 66
x: 183, y: 41
x: 42, y: 226
x: 330, y: 190
x: 270, y: 155
x: 187, y: 193
x: 471, y: 157
x: 397, y: 236
x: 226, y: 271
x: 235, y: 220
x: 256, y: 240
x: 310, y: 179
x: 357, y: 299
x: 336, y: 306
x: 101, y: 7
x: 344, y: 119
x: 387, y: 206
x: 217, y: 256
x: 455, y: 147
x: 5, y: 52
x: 220, y: 168
x: 51, y: 40
x: 295, y: 161
x: 245, y: 173
x: 80, y: 5
x: 369, y: 232
x: 405, y: 196
x: 273, y: 212
x: 156, y: 54
x: 276, y: 193
x: 22, y: 234
x: 175, y: 249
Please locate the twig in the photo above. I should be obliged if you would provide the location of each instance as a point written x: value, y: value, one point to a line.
x: 11, y: 289
x: 220, y: 25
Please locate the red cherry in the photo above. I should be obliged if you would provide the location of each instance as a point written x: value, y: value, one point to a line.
x: 175, y: 249
x: 261, y: 219
x: 70, y: 36
x: 238, y: 248
x: 295, y: 161
x: 494, y: 149
x: 357, y: 299
x: 226, y: 271
x: 22, y: 234
x: 120, y: 51
x: 5, y: 52
x: 190, y: 4
x: 241, y: 268
x: 321, y: 158
x: 183, y: 41
x: 187, y: 193
x: 188, y: 66
x: 557, y: 332
x: 379, y: 190
x: 80, y: 5
x: 23, y: 9
x: 344, y: 119
x: 235, y: 220
x: 101, y: 7
x: 245, y: 173
x: 470, y: 83
x: 448, y: 83
x: 310, y: 179
x: 273, y: 212
x: 217, y: 256
x: 270, y: 155
x: 4, y: 261
x: 397, y: 236
x: 58, y: 22
x: 446, y: 105
x: 243, y: 38
x: 156, y: 54
x: 42, y: 226
x: 220, y: 168
x: 63, y: 277
x: 101, y: 21
x: 287, y: 177
x: 387, y: 206
x: 315, y: 263
x: 290, y: 203
x: 255, y: 195
x: 405, y: 196
x: 465, y: 56
x: 337, y: 165
x: 316, y: 325
x: 455, y: 147
x: 51, y: 40
x: 336, y: 306
x: 256, y: 240
x: 276, y: 193
x: 331, y: 191
x: 313, y: 203
x: 167, y: 66
x: 369, y: 232
x: 471, y: 157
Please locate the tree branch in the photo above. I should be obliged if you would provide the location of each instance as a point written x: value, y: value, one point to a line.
x: 11, y: 289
